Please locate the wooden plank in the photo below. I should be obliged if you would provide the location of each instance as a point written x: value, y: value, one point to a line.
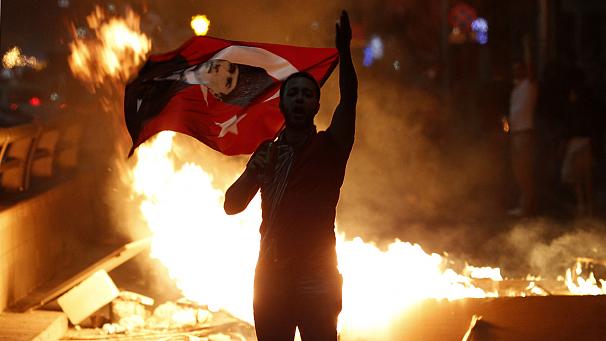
x: 93, y: 259
x: 36, y: 325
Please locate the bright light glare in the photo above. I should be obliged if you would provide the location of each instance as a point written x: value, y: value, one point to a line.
x: 480, y: 28
x: 200, y: 24
x: 373, y: 51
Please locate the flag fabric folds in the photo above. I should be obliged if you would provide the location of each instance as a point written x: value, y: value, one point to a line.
x: 223, y: 93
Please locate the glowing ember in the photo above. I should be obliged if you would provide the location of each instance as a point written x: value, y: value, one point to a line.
x: 200, y: 24
x: 115, y: 49
x: 13, y: 58
x: 212, y: 256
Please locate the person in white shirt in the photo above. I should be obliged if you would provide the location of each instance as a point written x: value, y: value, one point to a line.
x: 522, y: 106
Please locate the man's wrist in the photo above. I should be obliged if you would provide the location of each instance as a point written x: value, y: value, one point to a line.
x: 251, y: 175
x: 344, y: 52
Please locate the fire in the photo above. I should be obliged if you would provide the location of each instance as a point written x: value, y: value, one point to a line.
x: 579, y: 285
x: 380, y: 285
x: 484, y: 273
x: 115, y: 49
x: 13, y: 58
x: 212, y: 256
x: 200, y: 24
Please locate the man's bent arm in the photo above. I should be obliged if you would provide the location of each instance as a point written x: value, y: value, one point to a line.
x: 343, y: 123
x: 240, y: 193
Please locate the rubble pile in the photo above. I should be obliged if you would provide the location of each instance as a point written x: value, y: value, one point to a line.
x: 133, y: 317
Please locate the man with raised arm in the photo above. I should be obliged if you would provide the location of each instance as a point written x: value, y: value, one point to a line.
x: 297, y: 283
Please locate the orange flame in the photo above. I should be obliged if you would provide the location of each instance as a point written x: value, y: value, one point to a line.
x: 13, y: 58
x: 579, y: 285
x: 212, y: 256
x: 115, y: 50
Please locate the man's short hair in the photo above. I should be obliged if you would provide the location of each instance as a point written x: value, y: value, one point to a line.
x: 251, y: 83
x: 296, y: 75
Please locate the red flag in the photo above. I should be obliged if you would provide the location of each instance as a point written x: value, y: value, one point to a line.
x: 223, y: 93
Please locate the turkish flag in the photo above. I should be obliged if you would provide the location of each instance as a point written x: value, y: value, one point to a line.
x: 223, y: 93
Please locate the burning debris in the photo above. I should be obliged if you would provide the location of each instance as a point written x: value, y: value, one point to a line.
x: 14, y: 58
x: 100, y: 311
x: 133, y: 318
x: 113, y: 52
x: 398, y: 276
x: 130, y: 310
x: 581, y: 277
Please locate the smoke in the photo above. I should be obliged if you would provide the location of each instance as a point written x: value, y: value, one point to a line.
x: 410, y: 167
x: 545, y: 248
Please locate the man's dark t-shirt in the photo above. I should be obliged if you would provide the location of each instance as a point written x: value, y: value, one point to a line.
x: 299, y: 236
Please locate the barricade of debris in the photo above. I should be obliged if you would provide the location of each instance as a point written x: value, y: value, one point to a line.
x: 132, y: 316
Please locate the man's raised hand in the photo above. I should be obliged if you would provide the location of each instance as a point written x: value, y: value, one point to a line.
x: 343, y: 33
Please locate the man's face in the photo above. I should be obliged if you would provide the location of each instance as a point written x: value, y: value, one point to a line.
x: 219, y: 76
x: 300, y: 103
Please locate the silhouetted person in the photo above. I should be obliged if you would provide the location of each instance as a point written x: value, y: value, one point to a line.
x: 297, y: 283
x: 521, y: 127
x: 578, y: 160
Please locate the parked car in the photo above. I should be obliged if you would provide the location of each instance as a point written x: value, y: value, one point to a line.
x: 23, y: 102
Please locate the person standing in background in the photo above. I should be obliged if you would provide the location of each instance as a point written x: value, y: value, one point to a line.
x: 522, y: 106
x: 578, y: 159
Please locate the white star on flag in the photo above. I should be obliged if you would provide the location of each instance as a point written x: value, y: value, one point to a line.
x: 230, y: 126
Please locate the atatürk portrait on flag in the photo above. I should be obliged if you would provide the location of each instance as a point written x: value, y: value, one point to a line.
x: 229, y: 82
x: 236, y: 75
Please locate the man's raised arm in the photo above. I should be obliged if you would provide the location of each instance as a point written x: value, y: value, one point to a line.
x: 343, y: 123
